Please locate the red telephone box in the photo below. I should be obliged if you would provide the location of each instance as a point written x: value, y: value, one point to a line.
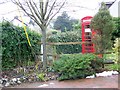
x: 87, y: 33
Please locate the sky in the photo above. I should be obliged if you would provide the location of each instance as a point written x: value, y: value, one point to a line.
x: 75, y: 8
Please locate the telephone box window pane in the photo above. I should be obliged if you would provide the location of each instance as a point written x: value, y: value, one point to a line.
x: 87, y: 26
x: 87, y: 30
x: 87, y: 33
x: 87, y: 37
x: 88, y: 45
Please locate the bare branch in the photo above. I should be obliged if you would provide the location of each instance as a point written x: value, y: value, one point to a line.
x: 50, y: 10
x: 36, y: 7
x: 46, y: 7
x: 43, y: 14
x: 41, y: 8
x: 32, y: 16
x: 50, y: 18
x: 34, y: 12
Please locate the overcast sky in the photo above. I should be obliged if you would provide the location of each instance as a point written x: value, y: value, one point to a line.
x: 75, y: 8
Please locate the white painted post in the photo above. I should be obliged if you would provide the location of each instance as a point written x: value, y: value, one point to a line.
x: 42, y: 52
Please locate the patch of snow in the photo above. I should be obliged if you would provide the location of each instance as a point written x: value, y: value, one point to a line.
x: 19, y: 82
x: 44, y: 85
x: 14, y: 79
x: 18, y: 79
x: 4, y: 79
x: 115, y: 73
x: 104, y: 74
x: 93, y: 76
x: 7, y: 84
x: 51, y: 83
x: 107, y: 73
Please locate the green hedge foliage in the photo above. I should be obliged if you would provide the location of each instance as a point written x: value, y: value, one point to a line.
x: 73, y: 36
x: 77, y: 66
x: 15, y: 48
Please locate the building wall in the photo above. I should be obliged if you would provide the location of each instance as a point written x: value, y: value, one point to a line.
x: 119, y: 9
x: 114, y: 8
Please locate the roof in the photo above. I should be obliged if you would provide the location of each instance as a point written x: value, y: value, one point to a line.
x: 114, y: 8
x: 109, y: 4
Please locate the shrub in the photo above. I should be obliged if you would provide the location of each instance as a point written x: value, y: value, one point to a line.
x: 112, y: 67
x: 15, y: 48
x: 41, y: 76
x: 73, y: 36
x: 117, y: 50
x: 77, y: 66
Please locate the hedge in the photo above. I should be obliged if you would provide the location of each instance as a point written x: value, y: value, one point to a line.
x: 77, y: 66
x: 73, y: 36
x: 15, y: 48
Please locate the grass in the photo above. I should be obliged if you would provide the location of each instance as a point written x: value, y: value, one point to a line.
x: 113, y: 67
x: 110, y: 56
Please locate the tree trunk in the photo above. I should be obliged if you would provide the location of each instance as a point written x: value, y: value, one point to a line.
x: 44, y: 49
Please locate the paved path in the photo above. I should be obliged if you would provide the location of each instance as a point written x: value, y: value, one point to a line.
x: 99, y: 82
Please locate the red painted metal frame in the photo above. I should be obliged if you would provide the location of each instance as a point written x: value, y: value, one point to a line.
x: 86, y: 21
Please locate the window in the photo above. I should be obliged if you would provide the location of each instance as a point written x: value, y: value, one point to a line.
x: 87, y: 33
x: 87, y: 26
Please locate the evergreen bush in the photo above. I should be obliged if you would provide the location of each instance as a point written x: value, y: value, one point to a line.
x: 77, y: 66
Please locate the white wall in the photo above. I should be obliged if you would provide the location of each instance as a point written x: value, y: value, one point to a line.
x: 114, y: 9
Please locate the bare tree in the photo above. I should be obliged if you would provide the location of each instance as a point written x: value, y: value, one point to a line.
x: 42, y: 12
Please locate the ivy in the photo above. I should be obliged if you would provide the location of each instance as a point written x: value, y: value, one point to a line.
x: 15, y: 48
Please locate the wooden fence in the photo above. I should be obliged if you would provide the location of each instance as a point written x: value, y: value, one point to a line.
x: 56, y: 56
